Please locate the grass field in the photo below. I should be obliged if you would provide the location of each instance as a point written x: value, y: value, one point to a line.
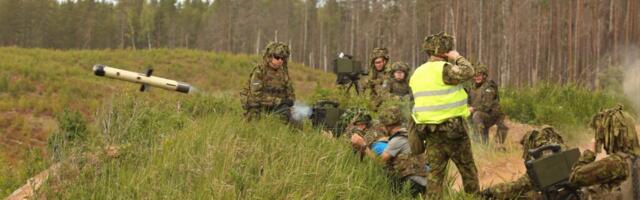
x: 170, y: 145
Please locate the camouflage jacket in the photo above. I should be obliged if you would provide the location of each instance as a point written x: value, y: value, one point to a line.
x: 395, y: 88
x: 484, y: 97
x: 268, y: 87
x: 376, y: 80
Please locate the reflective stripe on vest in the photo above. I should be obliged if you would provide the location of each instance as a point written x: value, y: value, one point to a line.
x: 434, y: 100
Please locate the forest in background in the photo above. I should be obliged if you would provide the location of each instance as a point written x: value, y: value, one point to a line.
x: 524, y: 42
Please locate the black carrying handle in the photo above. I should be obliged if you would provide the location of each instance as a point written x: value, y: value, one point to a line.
x: 325, y: 102
x: 537, y: 152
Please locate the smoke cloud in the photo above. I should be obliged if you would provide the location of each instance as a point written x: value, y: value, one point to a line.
x: 631, y: 82
x: 301, y: 111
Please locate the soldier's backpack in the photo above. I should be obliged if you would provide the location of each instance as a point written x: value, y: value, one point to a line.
x: 326, y: 114
x: 615, y: 131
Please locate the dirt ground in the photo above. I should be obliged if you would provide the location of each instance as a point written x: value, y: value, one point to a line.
x: 506, y: 166
x: 23, y: 131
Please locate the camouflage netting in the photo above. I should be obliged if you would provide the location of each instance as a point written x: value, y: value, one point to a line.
x: 615, y: 131
x: 481, y: 68
x: 379, y: 52
x: 391, y: 116
x: 276, y: 49
x: 540, y: 137
x: 438, y: 44
x: 400, y: 66
x: 355, y: 115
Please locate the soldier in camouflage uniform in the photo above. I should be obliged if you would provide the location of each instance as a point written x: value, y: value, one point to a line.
x: 358, y: 127
x: 615, y: 133
x: 401, y: 164
x: 378, y: 73
x: 485, y: 106
x: 607, y: 173
x: 397, y: 84
x: 439, y: 113
x: 521, y: 187
x: 269, y: 89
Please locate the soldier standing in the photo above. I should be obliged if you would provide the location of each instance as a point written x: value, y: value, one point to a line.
x: 440, y: 107
x: 397, y: 84
x: 269, y: 89
x: 378, y: 73
x: 485, y: 106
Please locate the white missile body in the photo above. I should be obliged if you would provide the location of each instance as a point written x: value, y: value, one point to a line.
x: 143, y: 78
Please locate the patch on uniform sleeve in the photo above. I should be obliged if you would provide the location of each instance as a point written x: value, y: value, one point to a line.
x: 256, y: 82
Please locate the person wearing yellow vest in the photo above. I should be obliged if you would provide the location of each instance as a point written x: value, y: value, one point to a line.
x: 440, y: 107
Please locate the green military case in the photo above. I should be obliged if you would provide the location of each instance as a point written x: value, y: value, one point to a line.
x: 326, y: 114
x: 347, y: 66
x: 549, y: 171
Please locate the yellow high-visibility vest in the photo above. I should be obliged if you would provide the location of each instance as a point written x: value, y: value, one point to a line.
x: 435, y: 101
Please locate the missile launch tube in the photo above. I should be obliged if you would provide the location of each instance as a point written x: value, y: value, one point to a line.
x: 167, y: 84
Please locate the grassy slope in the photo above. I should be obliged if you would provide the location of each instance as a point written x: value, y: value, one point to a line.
x: 36, y: 85
x: 199, y: 151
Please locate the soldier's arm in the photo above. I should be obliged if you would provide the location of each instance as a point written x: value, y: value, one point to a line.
x: 458, y: 70
x: 255, y: 86
x: 290, y: 91
x: 488, y: 99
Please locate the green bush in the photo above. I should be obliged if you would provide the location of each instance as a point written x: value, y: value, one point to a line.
x: 72, y: 128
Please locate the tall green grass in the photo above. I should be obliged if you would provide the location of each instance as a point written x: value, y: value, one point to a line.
x: 556, y: 105
x: 200, y: 148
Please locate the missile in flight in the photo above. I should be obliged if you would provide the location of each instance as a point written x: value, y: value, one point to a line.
x: 146, y: 79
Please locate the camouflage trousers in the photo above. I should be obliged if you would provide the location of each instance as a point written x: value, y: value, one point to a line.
x: 444, y: 142
x: 482, y: 121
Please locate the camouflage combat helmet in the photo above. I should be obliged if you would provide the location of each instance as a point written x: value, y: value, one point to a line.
x: 379, y: 52
x: 481, y: 68
x: 400, y: 66
x: 276, y: 49
x: 438, y: 44
x: 356, y: 116
x: 540, y: 137
x: 391, y: 116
